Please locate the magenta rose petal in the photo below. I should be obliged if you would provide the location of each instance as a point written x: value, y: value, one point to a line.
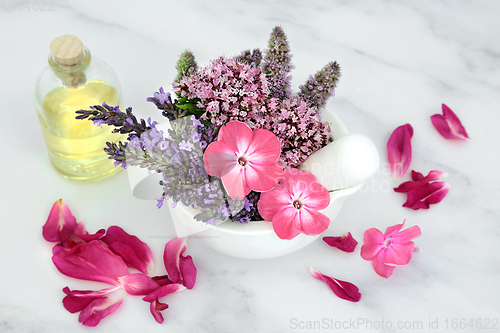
x: 60, y: 223
x: 85, y: 236
x: 138, y: 284
x: 77, y: 300
x: 342, y: 289
x: 344, y: 243
x: 449, y: 125
x: 425, y: 195
x: 180, y: 269
x: 399, y: 150
x: 97, y: 310
x: 134, y: 252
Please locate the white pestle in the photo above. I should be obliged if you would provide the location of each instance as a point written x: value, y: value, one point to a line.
x: 346, y: 162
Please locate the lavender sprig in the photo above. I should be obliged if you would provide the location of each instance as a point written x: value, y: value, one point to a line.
x: 125, y: 122
x: 252, y: 58
x: 169, y: 108
x: 319, y: 88
x: 277, y: 65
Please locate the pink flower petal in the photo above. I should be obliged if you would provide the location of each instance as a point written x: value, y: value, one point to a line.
x: 77, y: 300
x: 373, y: 242
x: 262, y: 178
x: 163, y: 291
x: 425, y: 195
x: 393, y: 230
x: 342, y: 289
x: 285, y: 221
x: 448, y: 125
x: 236, y: 135
x: 219, y: 157
x: 399, y: 150
x: 234, y: 182
x: 399, y: 254
x: 85, y: 236
x: 156, y: 307
x: 380, y: 267
x: 138, y: 284
x: 407, y: 235
x: 297, y: 181
x: 419, y: 180
x: 409, y: 185
x: 311, y: 222
x: 180, y: 269
x: 134, y: 252
x: 265, y: 148
x: 162, y: 280
x: 273, y: 201
x: 98, y: 309
x: 91, y: 261
x: 345, y: 243
x: 60, y: 223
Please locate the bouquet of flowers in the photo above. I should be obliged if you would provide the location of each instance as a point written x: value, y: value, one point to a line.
x: 237, y: 136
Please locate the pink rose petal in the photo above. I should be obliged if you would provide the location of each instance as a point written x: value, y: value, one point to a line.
x: 163, y: 291
x: 425, y: 195
x: 138, y: 284
x: 180, y: 269
x: 134, y: 252
x: 342, y: 289
x: 448, y: 125
x: 156, y: 307
x: 399, y: 150
x: 97, y: 310
x: 345, y: 243
x: 91, y: 261
x: 85, y: 236
x: 77, y: 300
x: 60, y: 223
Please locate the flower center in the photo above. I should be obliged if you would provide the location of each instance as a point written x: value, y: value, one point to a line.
x: 297, y: 204
x: 242, y: 161
x: 388, y: 242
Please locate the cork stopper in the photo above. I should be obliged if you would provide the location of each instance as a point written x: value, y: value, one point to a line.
x: 67, y: 50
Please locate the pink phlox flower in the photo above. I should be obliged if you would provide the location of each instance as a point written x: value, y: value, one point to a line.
x: 424, y: 191
x: 345, y: 243
x: 293, y: 205
x: 245, y: 159
x: 449, y: 125
x: 342, y: 289
x: 399, y: 150
x: 390, y: 249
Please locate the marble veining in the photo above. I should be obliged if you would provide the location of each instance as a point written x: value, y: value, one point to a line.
x: 400, y: 60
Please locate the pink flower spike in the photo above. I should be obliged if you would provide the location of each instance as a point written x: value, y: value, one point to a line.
x: 342, y: 289
x: 98, y: 309
x: 180, y: 269
x: 85, y: 236
x: 345, y: 243
x: 448, y: 125
x: 60, y: 223
x: 293, y: 205
x: 399, y: 150
x: 134, y: 252
x: 138, y: 284
x: 245, y: 159
x: 393, y: 248
x: 427, y: 194
x: 90, y: 261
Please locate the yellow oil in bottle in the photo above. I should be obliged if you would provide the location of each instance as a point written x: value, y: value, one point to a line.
x: 76, y: 146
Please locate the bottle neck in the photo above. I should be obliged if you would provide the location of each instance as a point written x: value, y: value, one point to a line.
x: 71, y: 76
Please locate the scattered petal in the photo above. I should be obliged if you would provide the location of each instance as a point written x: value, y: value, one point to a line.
x: 77, y: 300
x: 180, y: 269
x: 448, y: 125
x: 156, y: 307
x: 345, y: 243
x: 399, y: 150
x: 342, y: 289
x: 427, y: 194
x: 85, y: 236
x: 98, y: 309
x: 134, y: 252
x: 60, y: 223
x: 138, y: 284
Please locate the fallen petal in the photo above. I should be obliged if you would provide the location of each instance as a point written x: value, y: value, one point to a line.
x: 449, y: 125
x: 77, y: 300
x: 90, y: 261
x: 425, y: 195
x: 138, y: 284
x: 399, y: 150
x: 60, y: 223
x: 98, y: 309
x: 163, y: 291
x: 409, y: 185
x: 134, y: 252
x: 188, y: 271
x: 85, y: 236
x: 180, y: 269
x: 345, y: 243
x: 342, y: 289
x: 156, y: 307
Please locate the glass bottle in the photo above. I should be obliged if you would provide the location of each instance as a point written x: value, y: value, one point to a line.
x: 75, y: 80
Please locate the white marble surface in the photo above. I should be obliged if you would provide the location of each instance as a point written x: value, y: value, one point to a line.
x: 400, y: 60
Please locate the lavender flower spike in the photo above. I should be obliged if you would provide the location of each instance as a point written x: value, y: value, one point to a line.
x: 277, y: 65
x: 186, y: 65
x: 319, y: 88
